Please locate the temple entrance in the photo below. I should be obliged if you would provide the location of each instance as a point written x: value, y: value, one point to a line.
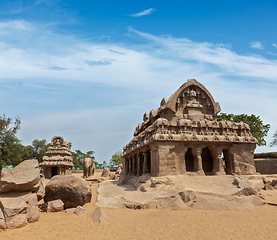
x: 229, y: 165
x: 54, y: 171
x: 189, y: 160
x: 207, y: 160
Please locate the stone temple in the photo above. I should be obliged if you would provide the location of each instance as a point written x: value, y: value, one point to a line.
x: 183, y: 136
x: 58, y: 160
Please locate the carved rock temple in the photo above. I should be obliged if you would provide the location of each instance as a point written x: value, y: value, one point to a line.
x: 183, y: 136
x: 58, y: 160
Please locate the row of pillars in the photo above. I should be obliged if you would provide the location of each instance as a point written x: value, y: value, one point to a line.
x: 138, y: 164
x: 218, y: 164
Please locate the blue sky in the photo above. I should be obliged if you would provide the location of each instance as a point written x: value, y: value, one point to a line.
x: 89, y: 70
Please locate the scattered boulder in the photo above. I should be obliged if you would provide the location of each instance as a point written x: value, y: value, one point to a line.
x: 70, y: 210
x: 98, y: 216
x: 55, y: 206
x: 43, y: 207
x: 41, y: 190
x: 79, y: 210
x: 247, y: 191
x: 242, y: 182
x: 119, y: 169
x: 105, y: 172
x: 14, y: 212
x: 72, y: 190
x: 24, y: 177
x: 187, y: 196
x: 18, y: 208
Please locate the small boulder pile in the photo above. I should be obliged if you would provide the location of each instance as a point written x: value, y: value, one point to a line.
x: 18, y: 195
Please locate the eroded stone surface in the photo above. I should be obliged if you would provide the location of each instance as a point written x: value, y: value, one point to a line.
x: 24, y: 177
x: 72, y: 190
x: 177, y: 192
x: 55, y: 206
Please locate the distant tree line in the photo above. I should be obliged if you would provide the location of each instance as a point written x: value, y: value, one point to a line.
x: 12, y: 151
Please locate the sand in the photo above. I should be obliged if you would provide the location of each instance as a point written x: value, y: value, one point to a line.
x: 154, y: 224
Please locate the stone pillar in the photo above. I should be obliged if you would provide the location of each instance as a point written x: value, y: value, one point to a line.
x: 218, y: 167
x: 197, y: 163
x: 145, y: 163
x: 182, y: 162
x: 125, y: 162
x: 139, y: 172
x: 135, y: 164
x: 131, y: 166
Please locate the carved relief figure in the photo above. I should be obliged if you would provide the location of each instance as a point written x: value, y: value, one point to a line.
x: 88, y: 167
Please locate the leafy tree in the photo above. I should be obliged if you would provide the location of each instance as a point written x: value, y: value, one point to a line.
x: 274, y: 141
x: 11, y: 148
x: 37, y: 150
x: 257, y: 128
x: 116, y: 159
x: 78, y: 155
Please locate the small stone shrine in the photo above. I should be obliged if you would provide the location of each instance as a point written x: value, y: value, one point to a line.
x: 183, y: 136
x: 58, y: 160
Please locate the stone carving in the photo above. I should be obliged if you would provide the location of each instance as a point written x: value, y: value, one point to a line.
x: 58, y: 160
x: 183, y: 135
x: 88, y: 167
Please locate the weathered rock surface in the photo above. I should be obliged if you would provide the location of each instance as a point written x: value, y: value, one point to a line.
x: 105, y: 172
x: 179, y: 192
x: 55, y: 206
x: 98, y: 216
x: 119, y: 169
x: 72, y: 190
x: 41, y: 190
x: 24, y: 177
x: 2, y: 220
x: 18, y: 208
x: 79, y: 210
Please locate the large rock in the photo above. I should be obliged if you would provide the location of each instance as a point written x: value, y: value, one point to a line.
x: 72, y: 190
x: 14, y: 211
x: 55, y: 206
x: 18, y: 208
x: 105, y: 172
x: 24, y: 177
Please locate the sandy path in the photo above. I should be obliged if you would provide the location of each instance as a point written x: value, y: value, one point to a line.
x: 154, y: 224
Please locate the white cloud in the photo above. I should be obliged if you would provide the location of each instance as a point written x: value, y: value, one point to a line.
x: 274, y: 45
x: 256, y: 45
x: 40, y: 69
x: 143, y: 13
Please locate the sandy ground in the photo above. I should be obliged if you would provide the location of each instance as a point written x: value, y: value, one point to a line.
x: 154, y: 224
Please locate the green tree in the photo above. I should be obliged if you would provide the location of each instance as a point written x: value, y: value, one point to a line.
x: 11, y: 149
x: 78, y: 155
x: 116, y: 159
x: 274, y: 141
x: 257, y: 128
x: 36, y: 150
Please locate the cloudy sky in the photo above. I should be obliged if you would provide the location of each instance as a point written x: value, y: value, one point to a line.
x: 89, y: 70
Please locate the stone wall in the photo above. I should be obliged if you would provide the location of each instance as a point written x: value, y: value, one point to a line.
x: 266, y: 165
